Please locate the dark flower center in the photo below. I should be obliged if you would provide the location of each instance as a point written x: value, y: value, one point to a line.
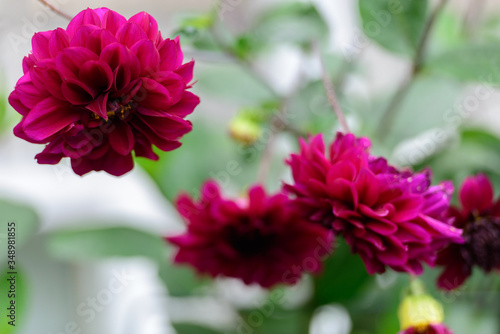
x: 482, y: 243
x: 117, y: 110
x: 250, y: 242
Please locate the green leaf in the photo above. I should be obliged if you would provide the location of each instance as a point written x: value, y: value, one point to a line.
x: 397, y: 25
x: 233, y: 83
x: 106, y: 242
x: 343, y: 277
x: 478, y: 63
x: 194, y: 30
x: 448, y: 32
x: 180, y: 280
x: 247, y: 45
x: 207, y: 152
x: 192, y: 329
x: 16, y: 293
x: 297, y: 23
x: 270, y: 319
x: 26, y: 225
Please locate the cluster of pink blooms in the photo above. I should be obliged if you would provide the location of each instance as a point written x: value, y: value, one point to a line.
x: 393, y: 218
x: 107, y: 88
x: 103, y: 88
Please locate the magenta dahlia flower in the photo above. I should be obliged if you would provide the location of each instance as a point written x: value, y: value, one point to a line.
x: 431, y: 329
x: 480, y: 220
x: 260, y: 240
x: 103, y: 88
x: 390, y: 217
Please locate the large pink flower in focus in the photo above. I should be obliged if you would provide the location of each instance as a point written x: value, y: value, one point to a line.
x: 389, y: 217
x: 103, y: 88
x: 480, y: 220
x: 260, y: 240
x: 431, y: 329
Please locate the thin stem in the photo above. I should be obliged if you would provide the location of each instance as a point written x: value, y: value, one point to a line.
x: 390, y: 113
x: 392, y: 108
x: 422, y: 45
x: 331, y: 94
x: 266, y: 159
x: 57, y: 11
x: 277, y: 123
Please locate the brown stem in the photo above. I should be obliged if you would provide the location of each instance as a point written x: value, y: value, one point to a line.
x: 57, y: 11
x: 330, y: 92
x: 389, y: 114
x: 392, y: 108
x: 266, y: 159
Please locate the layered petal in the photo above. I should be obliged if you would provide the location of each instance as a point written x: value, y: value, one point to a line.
x: 391, y: 217
x: 259, y: 239
x: 103, y: 89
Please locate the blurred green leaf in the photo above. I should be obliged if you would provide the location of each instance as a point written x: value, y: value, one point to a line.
x: 310, y: 109
x: 194, y: 30
x: 343, y: 277
x: 479, y: 63
x: 297, y: 23
x: 18, y: 294
x: 465, y: 322
x: 270, y: 319
x: 201, y: 21
x: 247, y: 45
x: 106, y: 242
x: 427, y: 105
x: 232, y: 83
x: 26, y: 225
x: 395, y: 25
x: 448, y: 32
x: 207, y: 153
x: 180, y: 280
x: 192, y: 329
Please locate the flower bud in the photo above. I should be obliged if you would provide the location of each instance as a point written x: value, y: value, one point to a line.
x: 419, y: 310
x: 244, y: 129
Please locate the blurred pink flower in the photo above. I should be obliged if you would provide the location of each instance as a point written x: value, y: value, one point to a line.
x: 103, y: 88
x: 260, y: 240
x: 480, y: 220
x: 390, y: 217
x: 431, y: 329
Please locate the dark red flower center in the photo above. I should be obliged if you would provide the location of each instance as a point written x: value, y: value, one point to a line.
x: 250, y: 242
x: 116, y: 110
x: 482, y: 243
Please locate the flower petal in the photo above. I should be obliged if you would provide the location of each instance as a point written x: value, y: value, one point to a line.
x: 147, y: 23
x: 49, y: 117
x: 121, y: 138
x: 85, y: 17
x: 476, y: 193
x: 129, y: 34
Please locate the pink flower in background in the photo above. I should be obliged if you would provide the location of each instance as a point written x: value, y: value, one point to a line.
x: 480, y: 220
x: 260, y: 240
x: 431, y: 329
x: 103, y: 88
x: 389, y: 217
